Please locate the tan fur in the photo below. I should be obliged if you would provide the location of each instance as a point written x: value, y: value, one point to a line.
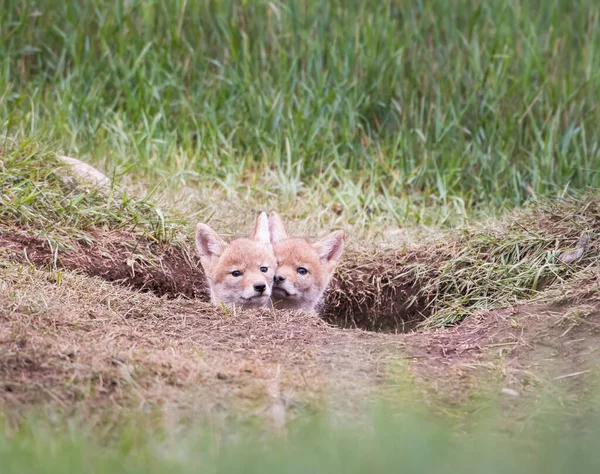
x: 293, y: 290
x: 219, y: 259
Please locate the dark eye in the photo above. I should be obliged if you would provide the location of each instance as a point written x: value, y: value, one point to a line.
x: 236, y: 273
x: 264, y: 269
x: 302, y: 270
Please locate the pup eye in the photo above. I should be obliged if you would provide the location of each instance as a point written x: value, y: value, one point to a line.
x: 302, y: 270
x: 236, y: 273
x: 264, y: 269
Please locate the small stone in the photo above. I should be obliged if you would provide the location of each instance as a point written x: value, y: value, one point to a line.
x: 510, y: 392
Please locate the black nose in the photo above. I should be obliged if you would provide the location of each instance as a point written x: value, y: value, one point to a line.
x: 279, y: 278
x: 260, y: 287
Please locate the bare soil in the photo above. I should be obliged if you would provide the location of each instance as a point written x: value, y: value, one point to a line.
x: 116, y: 256
x: 545, y: 347
x: 84, y: 342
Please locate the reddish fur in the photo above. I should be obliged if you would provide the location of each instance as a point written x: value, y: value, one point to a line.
x: 302, y: 291
x: 247, y: 256
x: 220, y: 259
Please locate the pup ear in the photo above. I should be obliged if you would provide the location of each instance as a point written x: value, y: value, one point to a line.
x: 276, y: 228
x: 330, y: 248
x: 261, y: 230
x: 208, y: 242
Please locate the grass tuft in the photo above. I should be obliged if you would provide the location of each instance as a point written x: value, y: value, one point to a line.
x: 515, y: 259
x: 440, y: 282
x: 38, y: 193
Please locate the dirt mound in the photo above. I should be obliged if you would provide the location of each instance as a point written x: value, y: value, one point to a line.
x: 393, y: 290
x: 372, y: 289
x: 544, y: 348
x: 85, y: 342
x: 115, y: 256
x: 378, y: 290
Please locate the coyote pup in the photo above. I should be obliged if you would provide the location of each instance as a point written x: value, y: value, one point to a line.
x: 303, y: 269
x: 240, y: 272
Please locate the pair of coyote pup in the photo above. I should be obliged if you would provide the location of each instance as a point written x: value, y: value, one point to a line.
x: 269, y: 268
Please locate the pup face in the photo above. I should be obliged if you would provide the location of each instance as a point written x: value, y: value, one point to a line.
x: 240, y: 272
x: 303, y: 269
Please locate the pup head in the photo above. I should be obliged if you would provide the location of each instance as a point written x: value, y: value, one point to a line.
x: 240, y: 272
x: 304, y: 269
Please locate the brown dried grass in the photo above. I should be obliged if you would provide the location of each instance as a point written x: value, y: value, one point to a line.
x: 76, y: 341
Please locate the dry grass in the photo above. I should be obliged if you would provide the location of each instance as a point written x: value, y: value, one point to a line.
x: 487, y: 266
x: 76, y: 340
x: 71, y: 340
x: 81, y: 344
x: 524, y: 352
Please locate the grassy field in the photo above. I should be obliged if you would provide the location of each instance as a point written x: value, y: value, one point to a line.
x: 387, y: 111
x: 455, y: 141
x: 408, y: 443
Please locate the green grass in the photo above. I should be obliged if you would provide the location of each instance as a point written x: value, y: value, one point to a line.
x: 403, y: 111
x: 395, y: 113
x: 474, y: 267
x: 498, y: 264
x: 36, y: 192
x: 388, y: 443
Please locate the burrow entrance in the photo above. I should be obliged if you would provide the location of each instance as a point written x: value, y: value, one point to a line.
x: 375, y: 292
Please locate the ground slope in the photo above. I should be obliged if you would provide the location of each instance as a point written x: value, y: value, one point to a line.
x: 74, y: 342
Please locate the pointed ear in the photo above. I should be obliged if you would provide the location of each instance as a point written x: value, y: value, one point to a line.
x: 276, y: 228
x: 331, y: 247
x: 261, y: 230
x: 208, y: 242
